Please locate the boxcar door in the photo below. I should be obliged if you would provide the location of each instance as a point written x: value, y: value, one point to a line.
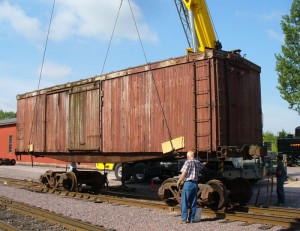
x: 84, y: 121
x: 56, y: 126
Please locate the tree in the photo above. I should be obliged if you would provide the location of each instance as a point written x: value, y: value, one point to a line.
x: 270, y: 137
x: 282, y: 134
x: 7, y: 115
x: 288, y: 63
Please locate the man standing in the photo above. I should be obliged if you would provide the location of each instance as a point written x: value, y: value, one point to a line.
x: 189, y: 177
x: 281, y: 177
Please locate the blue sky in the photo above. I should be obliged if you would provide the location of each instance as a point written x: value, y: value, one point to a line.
x: 81, y: 30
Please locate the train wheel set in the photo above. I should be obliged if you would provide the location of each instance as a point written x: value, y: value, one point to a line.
x: 215, y: 194
x: 75, y: 180
x: 7, y: 161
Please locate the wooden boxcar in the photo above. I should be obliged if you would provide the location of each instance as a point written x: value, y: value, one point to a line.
x: 210, y: 99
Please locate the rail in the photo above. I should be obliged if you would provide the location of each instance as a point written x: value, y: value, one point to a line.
x: 285, y: 217
x: 47, y: 216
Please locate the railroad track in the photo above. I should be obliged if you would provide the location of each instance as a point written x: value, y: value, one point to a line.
x: 272, y: 216
x: 44, y: 216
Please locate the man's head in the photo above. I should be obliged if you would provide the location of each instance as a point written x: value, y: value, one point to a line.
x: 190, y: 155
x: 279, y: 157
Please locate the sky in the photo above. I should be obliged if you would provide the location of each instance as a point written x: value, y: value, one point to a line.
x: 80, y: 33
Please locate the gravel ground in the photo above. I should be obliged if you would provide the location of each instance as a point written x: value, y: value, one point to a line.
x: 121, y: 217
x: 26, y: 223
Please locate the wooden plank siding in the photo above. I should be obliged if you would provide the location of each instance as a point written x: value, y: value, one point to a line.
x: 211, y: 99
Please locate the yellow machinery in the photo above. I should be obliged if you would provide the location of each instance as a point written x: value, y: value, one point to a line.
x: 197, y: 25
x: 106, y: 166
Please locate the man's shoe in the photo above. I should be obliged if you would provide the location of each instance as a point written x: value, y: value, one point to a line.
x: 182, y: 222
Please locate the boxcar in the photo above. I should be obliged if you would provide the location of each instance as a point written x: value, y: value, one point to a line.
x: 212, y: 100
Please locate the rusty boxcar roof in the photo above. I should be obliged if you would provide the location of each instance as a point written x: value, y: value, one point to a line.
x: 208, y: 54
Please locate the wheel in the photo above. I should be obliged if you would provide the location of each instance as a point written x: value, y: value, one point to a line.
x: 70, y: 182
x: 140, y: 173
x: 219, y: 196
x: 118, y: 173
x: 6, y: 161
x: 170, y: 188
x: 98, y: 181
x: 12, y: 162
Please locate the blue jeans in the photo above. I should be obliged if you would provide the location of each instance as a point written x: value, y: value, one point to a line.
x: 280, y: 190
x: 189, y: 197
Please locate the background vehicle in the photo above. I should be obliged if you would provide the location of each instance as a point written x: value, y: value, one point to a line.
x: 146, y: 170
x: 251, y: 170
x: 290, y: 146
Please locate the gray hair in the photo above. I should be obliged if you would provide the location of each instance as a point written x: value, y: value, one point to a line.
x: 190, y: 154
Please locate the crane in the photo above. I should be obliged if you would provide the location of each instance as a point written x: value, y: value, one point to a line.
x: 197, y: 25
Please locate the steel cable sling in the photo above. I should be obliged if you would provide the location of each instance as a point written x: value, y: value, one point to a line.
x: 40, y: 77
x: 148, y: 65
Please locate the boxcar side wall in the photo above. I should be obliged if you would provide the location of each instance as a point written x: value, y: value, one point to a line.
x: 131, y: 112
x: 212, y: 100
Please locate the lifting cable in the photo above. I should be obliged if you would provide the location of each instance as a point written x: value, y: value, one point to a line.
x: 40, y: 77
x: 153, y: 80
x: 111, y: 37
x: 149, y: 67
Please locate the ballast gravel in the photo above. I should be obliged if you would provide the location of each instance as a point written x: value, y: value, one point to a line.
x: 119, y: 217
x: 22, y: 222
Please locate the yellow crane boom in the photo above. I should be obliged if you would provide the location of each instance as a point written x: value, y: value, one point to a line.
x: 200, y: 25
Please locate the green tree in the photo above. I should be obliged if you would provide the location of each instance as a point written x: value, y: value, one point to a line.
x: 282, y: 134
x: 288, y: 63
x: 7, y: 115
x: 270, y: 137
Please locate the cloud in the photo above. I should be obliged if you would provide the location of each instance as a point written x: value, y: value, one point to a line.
x: 270, y: 16
x: 273, y: 15
x: 275, y: 36
x: 15, y: 17
x: 53, y: 70
x: 96, y: 18
x: 89, y: 19
x: 10, y: 87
